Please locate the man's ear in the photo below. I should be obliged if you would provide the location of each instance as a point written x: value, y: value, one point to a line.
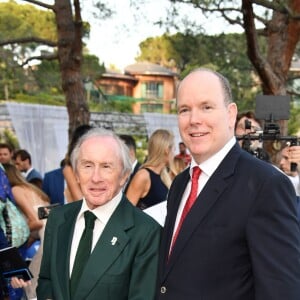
x: 232, y: 112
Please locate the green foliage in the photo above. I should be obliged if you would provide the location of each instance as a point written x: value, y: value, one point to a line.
x: 19, y: 21
x: 141, y: 148
x: 41, y: 98
x: 47, y: 76
x: 124, y: 106
x: 224, y: 53
x: 9, y: 137
x: 12, y: 77
x: 91, y: 68
x: 294, y: 121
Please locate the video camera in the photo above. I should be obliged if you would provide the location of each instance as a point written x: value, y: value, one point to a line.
x: 269, y: 109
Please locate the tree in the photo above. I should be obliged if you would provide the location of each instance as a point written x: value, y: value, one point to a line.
x: 47, y: 73
x: 67, y: 44
x: 224, y: 53
x: 277, y: 21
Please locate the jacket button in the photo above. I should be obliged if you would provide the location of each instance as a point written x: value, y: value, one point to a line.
x: 163, y: 289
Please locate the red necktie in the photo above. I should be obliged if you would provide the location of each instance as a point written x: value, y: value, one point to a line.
x: 189, y: 202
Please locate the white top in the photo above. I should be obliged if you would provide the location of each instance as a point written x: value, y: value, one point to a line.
x: 296, y: 183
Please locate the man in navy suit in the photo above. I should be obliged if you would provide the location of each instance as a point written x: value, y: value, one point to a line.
x: 240, y: 239
x: 130, y: 143
x: 54, y: 185
x: 22, y: 160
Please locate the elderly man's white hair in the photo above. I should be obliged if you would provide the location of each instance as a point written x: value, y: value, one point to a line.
x: 101, y: 132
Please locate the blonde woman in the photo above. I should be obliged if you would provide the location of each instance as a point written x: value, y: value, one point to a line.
x: 151, y: 183
x: 28, y: 197
x: 177, y: 166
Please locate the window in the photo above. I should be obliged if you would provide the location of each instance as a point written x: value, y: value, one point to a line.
x: 151, y: 107
x: 152, y: 90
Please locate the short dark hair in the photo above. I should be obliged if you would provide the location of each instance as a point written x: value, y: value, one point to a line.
x: 128, y: 140
x: 6, y: 146
x: 77, y: 134
x: 248, y: 115
x: 23, y: 154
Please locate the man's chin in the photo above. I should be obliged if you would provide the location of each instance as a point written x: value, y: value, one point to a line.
x: 94, y: 202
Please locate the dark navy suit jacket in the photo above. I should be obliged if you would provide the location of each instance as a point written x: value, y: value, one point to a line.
x: 54, y: 185
x: 240, y: 240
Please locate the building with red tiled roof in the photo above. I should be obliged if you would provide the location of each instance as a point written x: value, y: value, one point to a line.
x: 151, y: 86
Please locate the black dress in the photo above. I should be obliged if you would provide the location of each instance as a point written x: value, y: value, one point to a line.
x: 157, y: 192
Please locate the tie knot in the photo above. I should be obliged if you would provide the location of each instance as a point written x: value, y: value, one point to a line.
x: 196, y: 173
x: 89, y: 218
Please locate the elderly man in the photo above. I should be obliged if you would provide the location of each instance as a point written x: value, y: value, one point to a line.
x: 122, y: 260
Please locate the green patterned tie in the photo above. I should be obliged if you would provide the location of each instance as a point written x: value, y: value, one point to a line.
x: 83, y: 251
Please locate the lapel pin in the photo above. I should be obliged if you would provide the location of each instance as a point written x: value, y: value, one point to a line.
x: 114, y: 240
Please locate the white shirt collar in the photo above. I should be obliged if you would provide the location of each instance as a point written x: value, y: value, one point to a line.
x: 210, y: 165
x: 27, y: 172
x: 103, y: 212
x: 134, y: 164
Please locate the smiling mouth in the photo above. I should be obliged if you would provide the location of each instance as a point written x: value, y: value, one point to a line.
x: 197, y: 134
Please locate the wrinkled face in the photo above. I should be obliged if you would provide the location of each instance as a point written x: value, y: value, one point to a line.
x: 99, y: 170
x: 205, y: 122
x: 5, y: 156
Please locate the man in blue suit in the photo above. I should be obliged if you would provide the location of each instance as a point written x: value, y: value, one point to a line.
x: 240, y: 239
x: 122, y: 263
x: 130, y: 143
x: 54, y: 185
x: 22, y: 160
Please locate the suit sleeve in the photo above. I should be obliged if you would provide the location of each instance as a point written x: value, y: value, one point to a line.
x: 273, y: 237
x: 144, y: 270
x: 44, y: 288
x: 45, y: 185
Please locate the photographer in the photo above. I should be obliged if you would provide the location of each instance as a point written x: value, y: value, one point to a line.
x: 247, y: 125
x: 291, y: 155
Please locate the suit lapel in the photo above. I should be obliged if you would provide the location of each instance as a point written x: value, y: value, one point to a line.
x: 108, y: 248
x: 205, y: 201
x: 172, y: 207
x: 64, y: 240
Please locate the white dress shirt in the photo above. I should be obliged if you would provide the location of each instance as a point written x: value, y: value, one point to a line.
x: 103, y: 214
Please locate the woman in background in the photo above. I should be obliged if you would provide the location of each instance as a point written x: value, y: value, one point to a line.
x: 28, y: 198
x: 177, y: 166
x: 73, y: 191
x: 151, y: 183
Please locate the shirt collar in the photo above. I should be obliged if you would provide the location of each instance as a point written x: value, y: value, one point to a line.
x: 27, y: 172
x: 103, y: 212
x: 210, y: 165
x: 134, y: 164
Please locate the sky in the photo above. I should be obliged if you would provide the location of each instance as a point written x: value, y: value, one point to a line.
x: 116, y: 40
